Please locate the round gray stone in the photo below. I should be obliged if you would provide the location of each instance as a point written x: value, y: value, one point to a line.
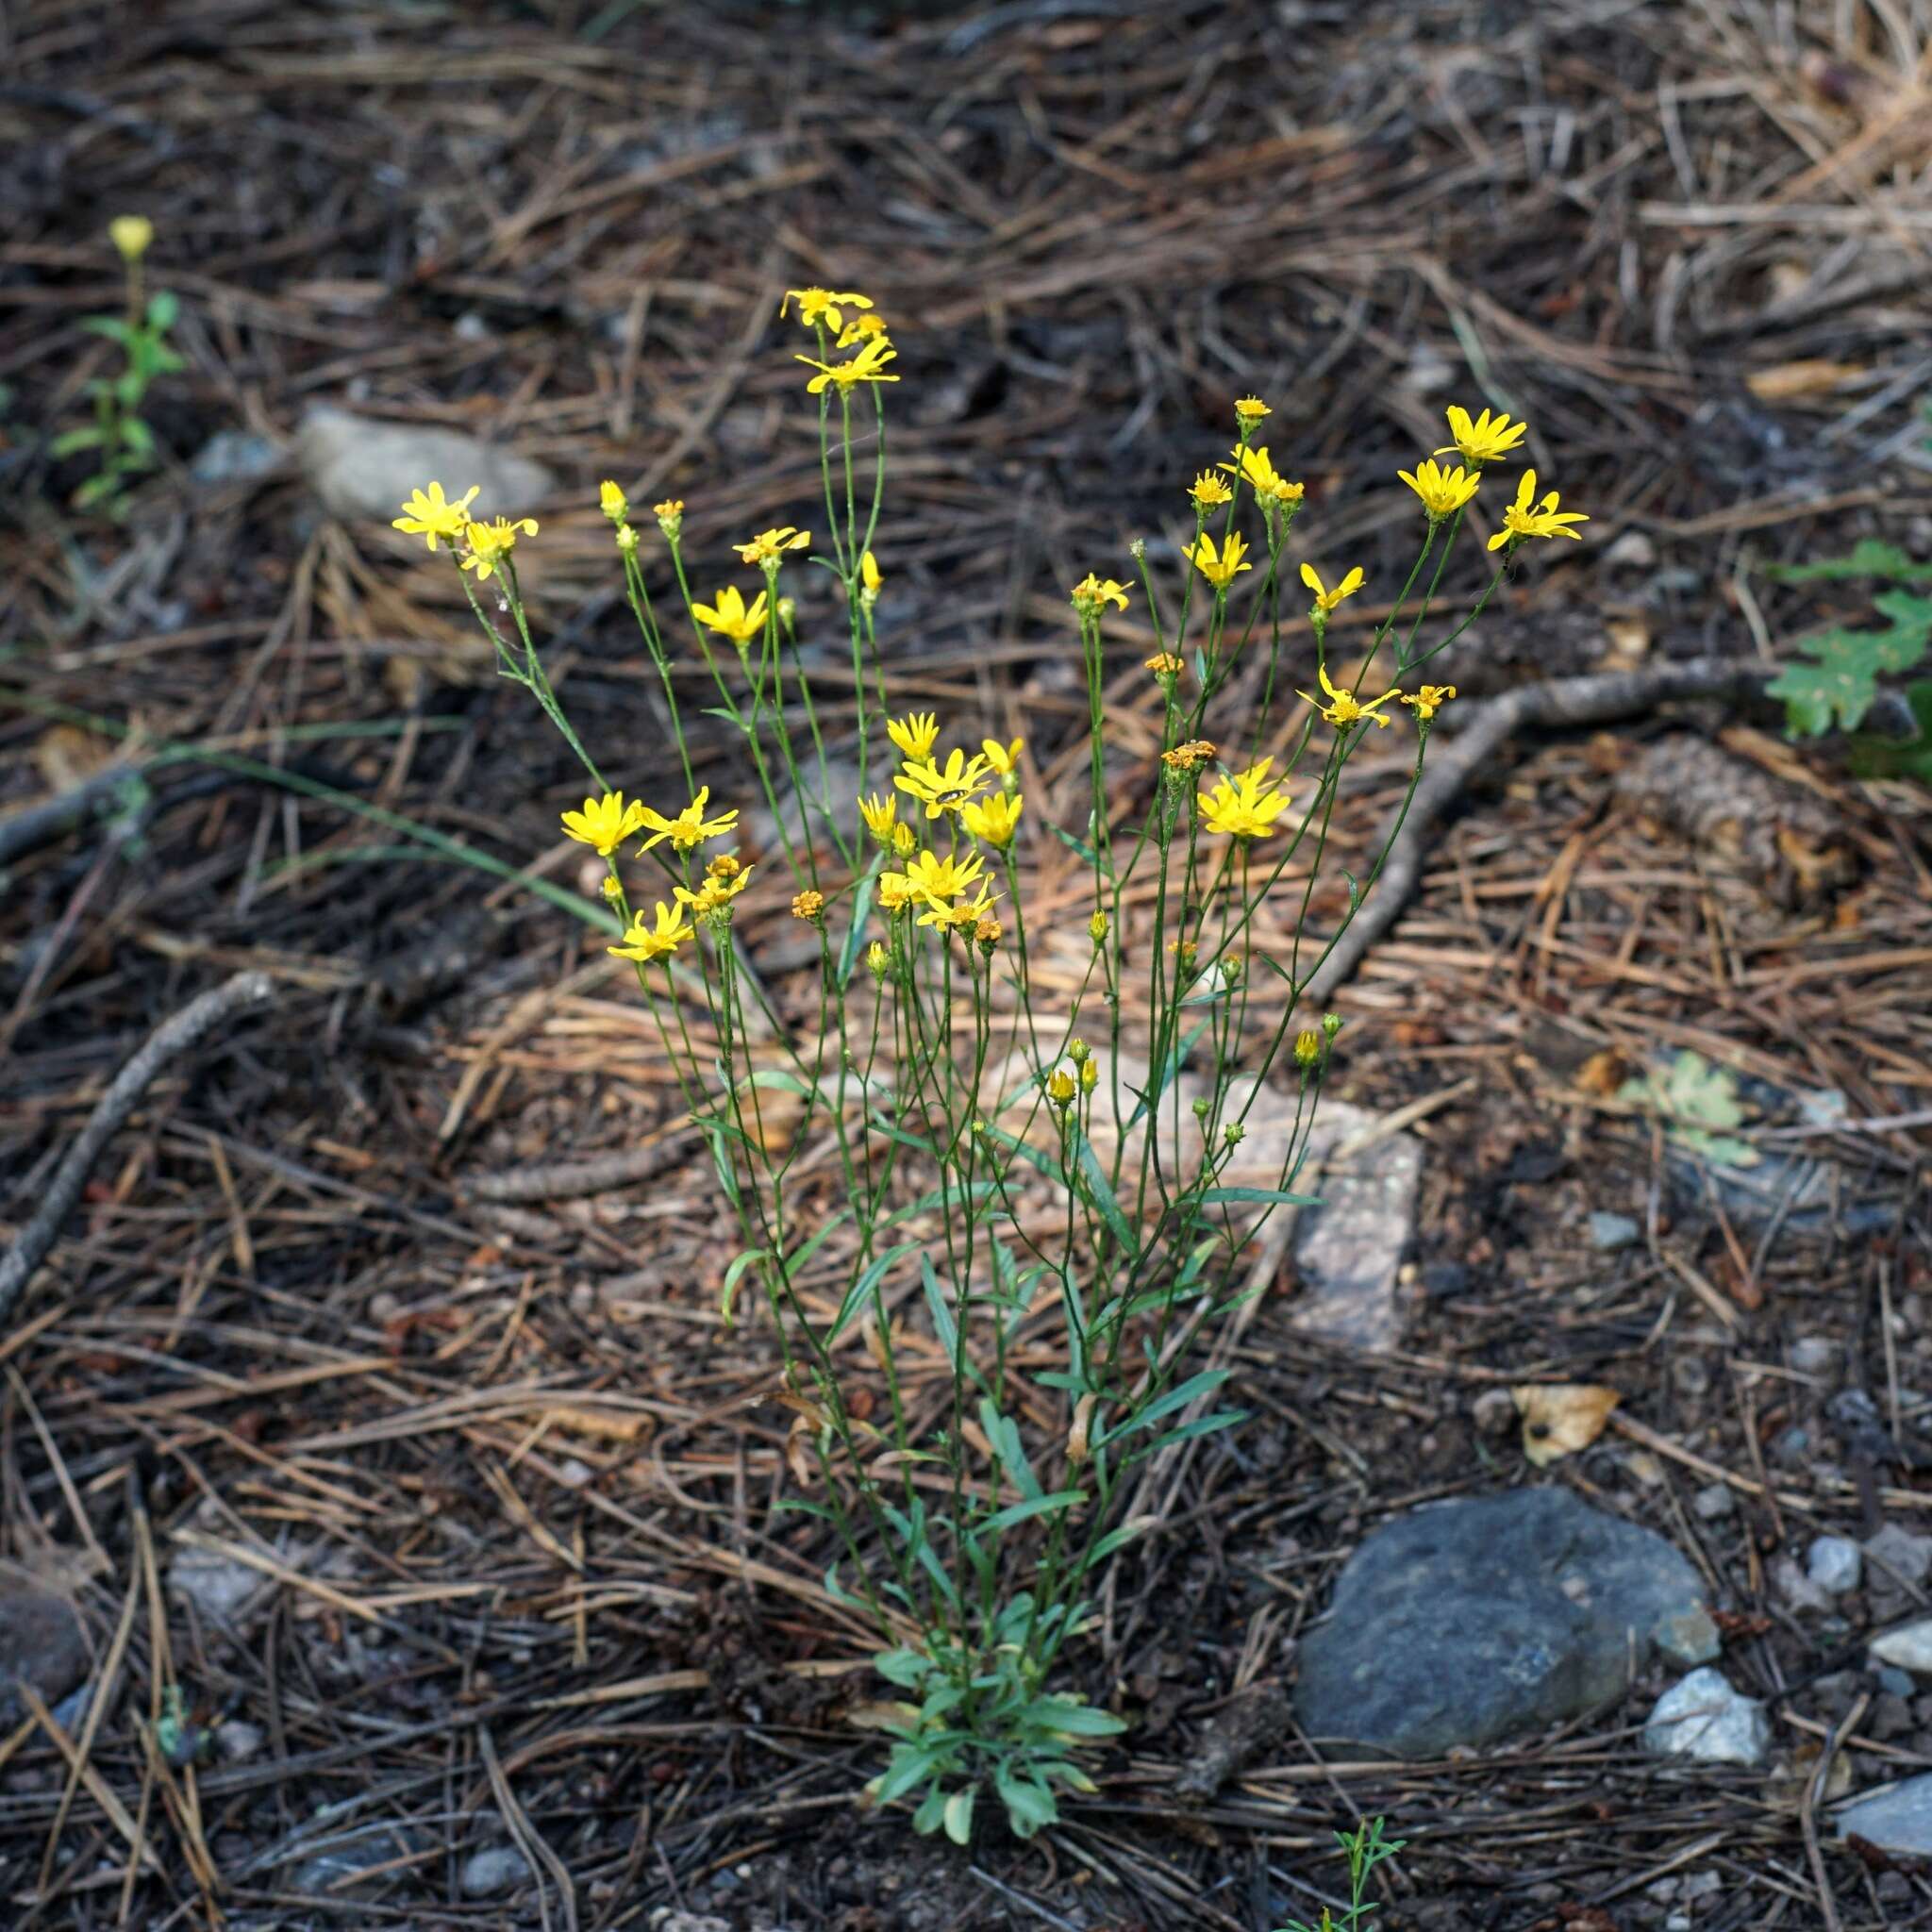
x: 1463, y: 1623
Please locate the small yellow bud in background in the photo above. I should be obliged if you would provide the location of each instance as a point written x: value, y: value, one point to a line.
x: 810, y: 907
x: 613, y: 887
x: 627, y: 539
x: 131, y: 235
x: 1234, y: 1133
x: 879, y: 961
x: 610, y: 500
x: 1060, y: 1088
x: 870, y: 576
x: 787, y: 613
x: 1308, y: 1046
x: 723, y: 867
x: 1096, y: 926
x: 1201, y: 1109
x: 1090, y: 1075
x: 669, y: 515
x: 905, y: 841
x: 1079, y: 1052
x: 1331, y: 1024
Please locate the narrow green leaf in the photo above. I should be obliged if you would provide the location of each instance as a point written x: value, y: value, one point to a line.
x: 1276, y: 1197
x: 1034, y: 1506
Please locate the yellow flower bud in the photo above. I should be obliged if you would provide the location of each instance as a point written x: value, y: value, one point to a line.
x: 1060, y: 1088
x: 1096, y: 926
x: 1078, y: 1052
x: 879, y: 961
x: 610, y: 500
x: 1308, y: 1046
x: 131, y: 235
x: 1090, y: 1075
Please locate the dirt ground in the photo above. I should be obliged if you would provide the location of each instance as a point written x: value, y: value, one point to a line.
x: 502, y: 1481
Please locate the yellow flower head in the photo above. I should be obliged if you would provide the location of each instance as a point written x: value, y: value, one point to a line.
x: 1190, y: 756
x: 605, y: 822
x: 716, y: 895
x: 938, y: 881
x: 808, y: 906
x: 895, y: 891
x: 768, y: 545
x: 1486, y: 440
x: 1271, y: 489
x: 1219, y: 566
x: 1165, y: 666
x: 1247, y: 808
x: 1250, y: 408
x: 823, y: 304
x: 861, y: 329
x: 131, y: 235
x: 945, y: 787
x: 1308, y: 1046
x: 867, y: 366
x: 905, y: 841
x: 1090, y: 593
x: 1344, y: 707
x: 613, y: 501
x: 1096, y: 926
x: 427, y: 515
x: 870, y: 576
x: 1003, y: 758
x: 1060, y: 1088
x: 880, y: 816
x: 915, y: 734
x: 1325, y: 599
x: 879, y: 961
x: 669, y: 515
x: 724, y: 866
x: 486, y: 544
x: 689, y: 827
x: 962, y: 915
x: 731, y: 617
x: 995, y: 821
x: 987, y: 933
x: 1208, y: 490
x: 1545, y: 520
x: 644, y: 943
x: 1429, y: 700
x: 1442, y: 491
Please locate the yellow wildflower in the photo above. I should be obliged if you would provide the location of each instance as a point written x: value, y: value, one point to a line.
x: 1442, y: 491
x: 1271, y: 487
x: 612, y: 887
x: 731, y: 617
x: 880, y: 816
x: 486, y: 544
x: 131, y: 235
x: 808, y: 906
x: 767, y: 545
x: 427, y: 515
x: 1096, y: 926
x: 915, y: 734
x: 1429, y: 700
x: 988, y: 932
x: 1325, y: 599
x: 1165, y: 666
x: 1486, y: 440
x: 669, y: 515
x: 879, y: 961
x: 937, y: 880
x: 715, y: 894
x: 905, y: 841
x: 1308, y: 1046
x: 1190, y: 756
x: 613, y: 501
x: 724, y: 866
x: 1219, y: 566
x: 689, y: 827
x: 867, y: 366
x: 1090, y: 593
x: 943, y: 788
x: 1003, y: 758
x: 823, y: 304
x: 995, y: 821
x: 643, y: 943
x: 1344, y: 707
x: 870, y: 576
x: 861, y: 328
x: 1208, y: 490
x: 1060, y: 1088
x: 895, y: 891
x: 1246, y: 808
x: 967, y: 912
x: 605, y: 822
x: 1250, y: 408
x: 1545, y: 520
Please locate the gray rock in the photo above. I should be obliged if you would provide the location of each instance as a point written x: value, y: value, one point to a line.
x: 238, y: 1741
x: 360, y: 467
x: 496, y: 1869
x: 1835, y: 1564
x: 1896, y: 1820
x: 1811, y: 1354
x: 1689, y: 1637
x: 1464, y: 1623
x: 666, y: 1918
x: 221, y: 1587
x: 1610, y: 1232
x: 42, y: 1643
x: 1715, y: 1501
x: 1633, y: 550
x: 1348, y: 1250
x: 1795, y: 1585
x: 352, y: 1862
x: 1909, y: 1647
x: 235, y: 456
x: 1901, y: 1553
x: 1701, y: 1717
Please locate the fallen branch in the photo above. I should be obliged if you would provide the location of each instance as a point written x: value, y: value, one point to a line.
x: 172, y: 1037
x: 567, y: 1179
x: 1486, y: 728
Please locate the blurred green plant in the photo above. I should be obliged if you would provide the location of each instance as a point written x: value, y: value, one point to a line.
x: 1835, y: 683
x: 1364, y: 1848
x: 119, y: 436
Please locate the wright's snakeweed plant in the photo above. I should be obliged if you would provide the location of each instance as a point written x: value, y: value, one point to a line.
x: 977, y: 1379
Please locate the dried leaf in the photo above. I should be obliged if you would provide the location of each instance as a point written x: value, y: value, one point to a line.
x: 883, y: 1717
x: 1789, y: 381
x: 1559, y: 1418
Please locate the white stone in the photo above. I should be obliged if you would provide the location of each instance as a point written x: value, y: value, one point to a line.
x: 1796, y: 1587
x: 1896, y: 1820
x: 363, y: 468
x: 1702, y: 1717
x: 1899, y: 1551
x: 1909, y: 1647
x: 1811, y: 1354
x: 1835, y: 1564
x: 1714, y: 1502
x: 496, y: 1869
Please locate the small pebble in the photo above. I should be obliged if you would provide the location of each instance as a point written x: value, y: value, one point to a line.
x: 1702, y: 1717
x: 1902, y: 1553
x: 1835, y: 1564
x: 1796, y: 1588
x: 1610, y: 1232
x: 1715, y: 1501
x: 1811, y: 1354
x: 496, y: 1869
x: 1790, y: 1447
x: 1633, y: 550
x: 1496, y: 1411
x: 238, y: 1741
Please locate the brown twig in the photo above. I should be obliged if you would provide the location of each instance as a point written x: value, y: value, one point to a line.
x: 173, y: 1037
